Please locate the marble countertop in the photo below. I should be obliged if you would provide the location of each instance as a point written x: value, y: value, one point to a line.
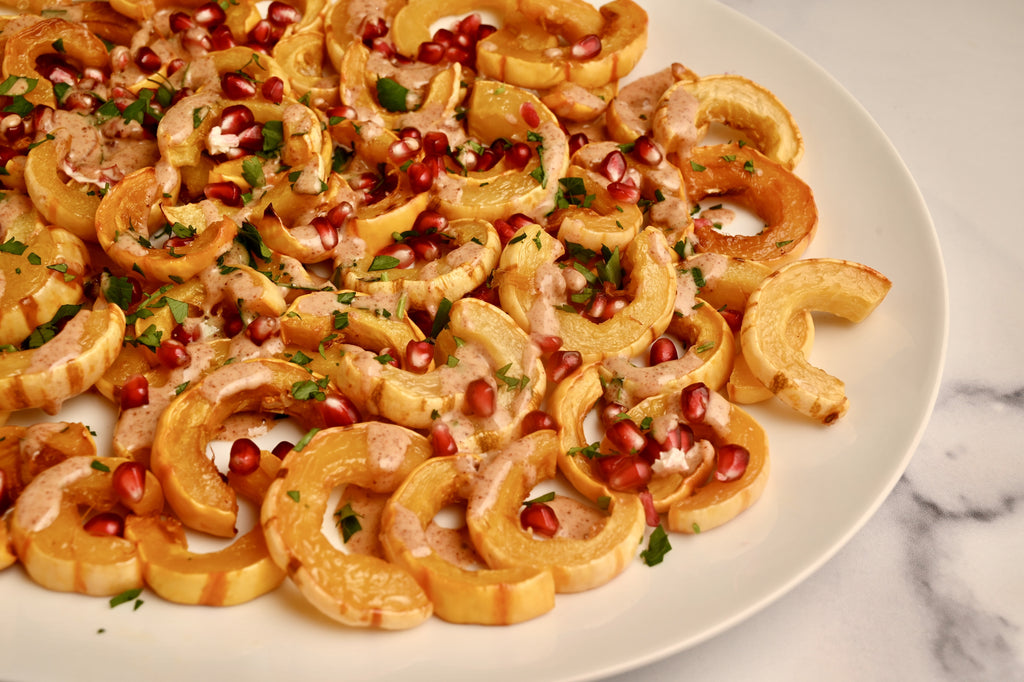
x: 931, y: 588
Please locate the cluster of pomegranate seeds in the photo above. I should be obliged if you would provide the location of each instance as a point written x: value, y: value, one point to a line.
x: 262, y: 37
x: 539, y: 518
x: 244, y: 457
x: 456, y: 45
x: 105, y: 524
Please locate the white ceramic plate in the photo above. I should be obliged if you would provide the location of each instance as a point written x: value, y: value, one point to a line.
x: 825, y: 482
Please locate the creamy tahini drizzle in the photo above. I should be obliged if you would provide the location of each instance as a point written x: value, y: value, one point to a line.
x: 493, y: 473
x: 39, y: 504
x: 387, y: 445
x: 233, y: 379
x: 62, y: 348
x: 712, y: 266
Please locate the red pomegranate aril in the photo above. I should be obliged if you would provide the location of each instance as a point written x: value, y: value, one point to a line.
x: 613, y: 166
x: 547, y: 343
x: 504, y: 230
x: 429, y: 221
x: 236, y: 118
x: 337, y: 410
x: 624, y: 192
x: 480, y: 398
x: 58, y: 72
x: 529, y: 114
x: 464, y: 41
x: 562, y: 363
x: 373, y: 29
x: 340, y: 113
x: 179, y: 21
x: 518, y: 155
x: 614, y: 306
x: 426, y: 248
x: 402, y: 252
x: 262, y: 33
x: 630, y: 474
x: 647, y: 150
x: 411, y: 133
x: 209, y: 15
x: 384, y: 47
x: 694, y: 401
x: 273, y: 89
x: 148, y: 60
x: 421, y: 177
x: 74, y: 101
x: 651, y: 515
x: 327, y: 232
x: 469, y: 24
x: 173, y: 67
x: 610, y: 413
x: 283, y: 14
x: 251, y: 139
x: 173, y: 354
x: 733, y: 318
x: 444, y: 37
x: 539, y: 518
x: 442, y: 440
x: 458, y: 54
x: 577, y: 142
x: 663, y: 350
x: 225, y: 192
x: 732, y: 462
x: 185, y: 335
x: 237, y: 86
x: 244, y: 458
x: 587, y: 47
x: 195, y: 40
x: 221, y: 38
x: 435, y: 143
x: 105, y: 524
x: 487, y: 160
x: 340, y: 214
x: 679, y: 438
x: 430, y: 52
x: 282, y: 449
x: 129, y: 482
x: 538, y: 420
x: 485, y: 31
x: 135, y: 392
x: 404, y: 149
x: 595, y: 309
x: 626, y: 437
x: 262, y: 328
x: 418, y: 356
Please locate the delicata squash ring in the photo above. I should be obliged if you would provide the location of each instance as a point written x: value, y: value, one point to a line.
x: 485, y: 596
x: 782, y: 200
x: 844, y: 288
x: 354, y: 589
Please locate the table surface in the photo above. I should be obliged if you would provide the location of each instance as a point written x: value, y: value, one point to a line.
x: 931, y: 588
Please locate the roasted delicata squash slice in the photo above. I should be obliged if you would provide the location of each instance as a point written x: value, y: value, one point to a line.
x: 844, y: 288
x: 178, y: 457
x: 782, y: 200
x: 492, y: 514
x: 374, y: 322
x: 602, y: 222
x: 27, y: 451
x: 48, y: 537
x: 528, y: 263
x: 66, y: 365
x: 354, y: 589
x: 460, y: 594
x: 66, y: 203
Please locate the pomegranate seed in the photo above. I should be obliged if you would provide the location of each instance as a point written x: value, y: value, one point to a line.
x: 273, y: 89
x: 75, y: 101
x: 520, y: 220
x: 504, y: 230
x: 338, y: 410
x: 327, y: 232
x: 389, y: 356
x: 418, y: 356
x: 173, y: 354
x: 225, y: 192
x: 458, y: 54
x: 195, y: 41
x: 732, y: 462
x: 647, y: 150
x: 221, y: 38
x: 411, y: 133
x: 562, y: 363
x: 587, y: 47
x: 283, y: 14
x: 529, y: 114
x: 469, y: 24
x: 262, y: 33
x: 232, y: 321
x: 629, y: 474
x: 651, y: 515
x: 733, y: 318
x: 421, y: 177
x: 384, y: 47
x: 487, y: 160
x: 251, y: 139
x: 464, y: 41
x: 576, y: 142
x: 485, y: 31
x: 663, y: 350
x: 613, y: 166
x: 623, y: 192
x: 245, y: 457
x: 184, y: 335
x: 107, y: 523
x: 135, y: 392
x: 694, y: 402
x: 486, y: 293
x: 129, y: 482
x: 598, y: 302
x: 403, y: 252
x: 610, y: 413
x: 237, y: 86
x: 372, y: 30
x: 480, y: 398
x: 429, y: 221
x: 444, y: 37
x: 340, y: 214
x: 435, y: 143
x: 426, y: 248
x: 430, y: 52
x: 518, y: 155
x: 262, y: 328
x: 442, y: 439
x: 174, y: 66
x: 547, y: 343
x: 403, y: 150
x: 539, y: 518
x: 236, y: 118
x: 180, y: 21
x: 341, y: 113
x: 616, y: 304
x: 626, y: 437
x: 538, y: 420
x: 209, y: 15
x: 679, y: 438
x: 282, y: 449
x: 148, y: 60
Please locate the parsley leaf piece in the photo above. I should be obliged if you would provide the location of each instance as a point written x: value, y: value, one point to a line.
x: 441, y: 318
x: 252, y: 172
x: 383, y: 263
x: 125, y: 597
x: 348, y: 521
x: 657, y: 547
x: 392, y: 95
